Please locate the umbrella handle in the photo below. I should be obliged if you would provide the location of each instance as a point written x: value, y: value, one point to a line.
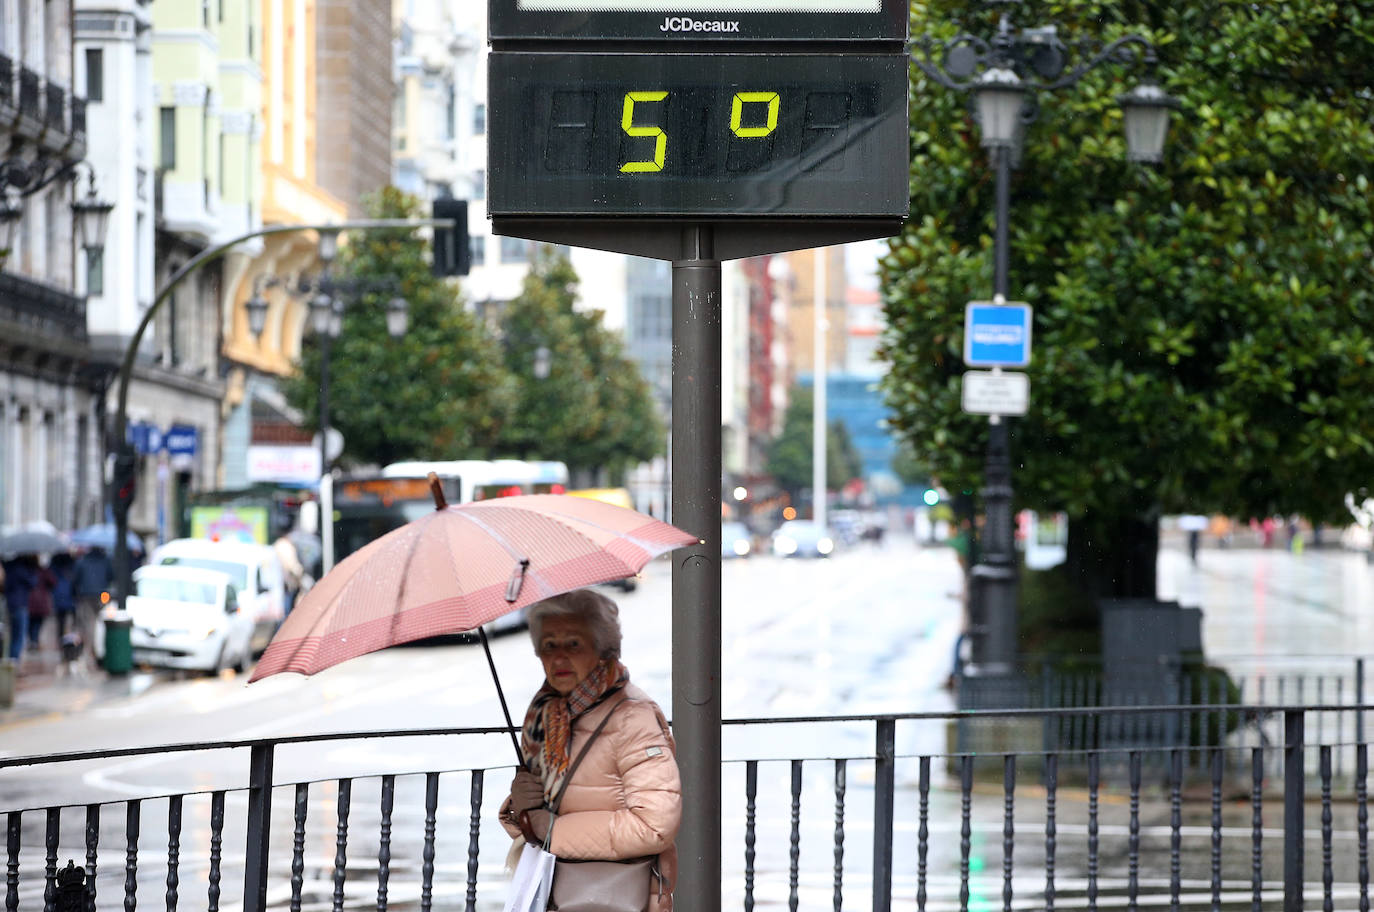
x: 437, y: 489
x: 501, y: 695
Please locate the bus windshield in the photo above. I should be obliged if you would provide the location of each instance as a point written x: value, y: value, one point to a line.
x: 366, y: 508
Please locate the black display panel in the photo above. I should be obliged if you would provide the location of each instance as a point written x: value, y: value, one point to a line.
x: 697, y: 135
x: 682, y: 20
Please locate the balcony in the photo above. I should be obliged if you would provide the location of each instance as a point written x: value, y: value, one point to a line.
x: 36, y: 309
x: 37, y: 112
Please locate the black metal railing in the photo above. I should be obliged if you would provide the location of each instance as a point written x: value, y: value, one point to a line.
x: 30, y: 88
x: 78, y: 117
x: 55, y: 110
x: 6, y: 81
x: 1019, y: 827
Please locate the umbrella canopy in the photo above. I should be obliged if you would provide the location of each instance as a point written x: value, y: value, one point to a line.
x: 460, y: 567
x: 37, y: 537
x: 102, y: 535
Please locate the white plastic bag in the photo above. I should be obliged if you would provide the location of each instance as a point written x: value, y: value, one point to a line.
x: 529, y: 887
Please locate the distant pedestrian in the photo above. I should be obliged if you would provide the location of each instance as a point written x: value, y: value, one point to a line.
x: 21, y: 575
x: 40, y: 603
x: 91, y: 577
x: 291, y: 570
x: 63, y: 595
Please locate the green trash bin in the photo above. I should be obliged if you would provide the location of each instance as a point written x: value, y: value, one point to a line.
x: 119, y: 651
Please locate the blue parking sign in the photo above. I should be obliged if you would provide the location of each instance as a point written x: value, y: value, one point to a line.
x: 997, y: 335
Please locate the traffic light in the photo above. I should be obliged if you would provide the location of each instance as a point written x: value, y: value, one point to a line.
x: 931, y: 497
x: 124, y: 481
x: 452, y: 255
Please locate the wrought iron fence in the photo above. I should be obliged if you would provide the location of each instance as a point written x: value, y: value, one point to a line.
x: 876, y: 811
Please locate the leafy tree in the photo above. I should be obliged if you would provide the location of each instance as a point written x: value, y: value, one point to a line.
x: 580, y: 398
x: 439, y: 392
x: 1204, y: 330
x: 789, y: 457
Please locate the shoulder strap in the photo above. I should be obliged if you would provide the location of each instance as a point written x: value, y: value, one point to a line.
x: 558, y: 799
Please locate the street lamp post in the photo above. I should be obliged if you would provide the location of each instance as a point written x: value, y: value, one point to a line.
x: 1002, y: 74
x: 326, y: 296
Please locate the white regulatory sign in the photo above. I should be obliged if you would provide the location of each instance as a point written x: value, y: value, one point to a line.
x: 996, y: 393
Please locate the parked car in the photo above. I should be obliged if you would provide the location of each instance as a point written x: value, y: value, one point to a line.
x: 253, y: 570
x: 188, y: 618
x: 802, y: 538
x: 735, y: 540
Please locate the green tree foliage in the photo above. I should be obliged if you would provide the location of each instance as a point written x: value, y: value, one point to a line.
x: 789, y: 457
x: 1204, y: 330
x: 437, y: 393
x: 593, y: 409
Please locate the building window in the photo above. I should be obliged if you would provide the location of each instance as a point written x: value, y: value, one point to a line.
x: 95, y: 74
x: 95, y: 271
x: 205, y: 13
x: 167, y: 130
x: 479, y: 119
x: 515, y: 250
x: 479, y: 185
x: 478, y: 245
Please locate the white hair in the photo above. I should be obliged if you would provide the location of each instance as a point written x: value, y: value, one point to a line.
x: 596, y: 611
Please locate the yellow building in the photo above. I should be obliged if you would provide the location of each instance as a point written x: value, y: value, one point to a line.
x: 290, y: 195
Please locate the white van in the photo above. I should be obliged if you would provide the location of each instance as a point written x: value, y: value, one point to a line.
x: 253, y: 570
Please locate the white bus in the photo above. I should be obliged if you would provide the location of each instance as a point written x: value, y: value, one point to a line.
x: 367, y: 507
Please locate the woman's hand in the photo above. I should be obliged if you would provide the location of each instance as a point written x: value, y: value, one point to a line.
x: 526, y: 792
x: 535, y: 824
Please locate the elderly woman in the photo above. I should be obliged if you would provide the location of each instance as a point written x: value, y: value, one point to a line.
x: 624, y: 800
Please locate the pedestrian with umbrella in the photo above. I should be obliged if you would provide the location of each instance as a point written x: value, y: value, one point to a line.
x: 460, y: 567
x: 21, y: 576
x: 599, y: 780
x: 92, y: 577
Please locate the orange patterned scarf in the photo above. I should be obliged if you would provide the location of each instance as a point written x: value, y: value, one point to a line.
x: 547, y: 730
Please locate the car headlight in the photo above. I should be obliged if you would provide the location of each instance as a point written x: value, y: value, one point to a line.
x: 785, y: 545
x: 825, y: 546
x: 741, y: 547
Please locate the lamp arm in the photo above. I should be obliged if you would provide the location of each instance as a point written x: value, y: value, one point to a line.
x: 982, y: 51
x: 1119, y: 51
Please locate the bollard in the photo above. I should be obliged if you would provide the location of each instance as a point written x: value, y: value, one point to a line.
x: 6, y: 681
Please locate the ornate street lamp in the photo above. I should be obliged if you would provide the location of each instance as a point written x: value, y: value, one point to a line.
x: 1146, y: 108
x: 543, y: 363
x: 397, y: 317
x: 1000, y: 97
x: 1002, y: 75
x: 257, y: 313
x: 92, y: 217
x: 321, y: 314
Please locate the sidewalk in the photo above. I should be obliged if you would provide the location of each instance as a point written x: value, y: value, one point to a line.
x: 46, y: 688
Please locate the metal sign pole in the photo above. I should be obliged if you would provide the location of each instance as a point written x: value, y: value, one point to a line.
x: 696, y: 466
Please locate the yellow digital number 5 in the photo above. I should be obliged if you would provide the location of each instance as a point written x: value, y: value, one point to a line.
x: 627, y: 124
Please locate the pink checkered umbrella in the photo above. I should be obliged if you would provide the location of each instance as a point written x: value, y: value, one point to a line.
x: 458, y: 568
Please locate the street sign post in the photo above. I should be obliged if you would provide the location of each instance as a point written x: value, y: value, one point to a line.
x: 995, y: 392
x: 997, y: 335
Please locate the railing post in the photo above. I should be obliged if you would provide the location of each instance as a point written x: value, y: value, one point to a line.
x: 1293, y: 795
x: 1359, y: 701
x: 884, y: 791
x: 259, y: 828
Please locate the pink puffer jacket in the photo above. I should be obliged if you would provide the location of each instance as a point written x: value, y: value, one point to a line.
x: 625, y: 800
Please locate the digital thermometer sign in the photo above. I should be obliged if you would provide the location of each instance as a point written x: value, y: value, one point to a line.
x: 697, y: 135
x: 679, y: 20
